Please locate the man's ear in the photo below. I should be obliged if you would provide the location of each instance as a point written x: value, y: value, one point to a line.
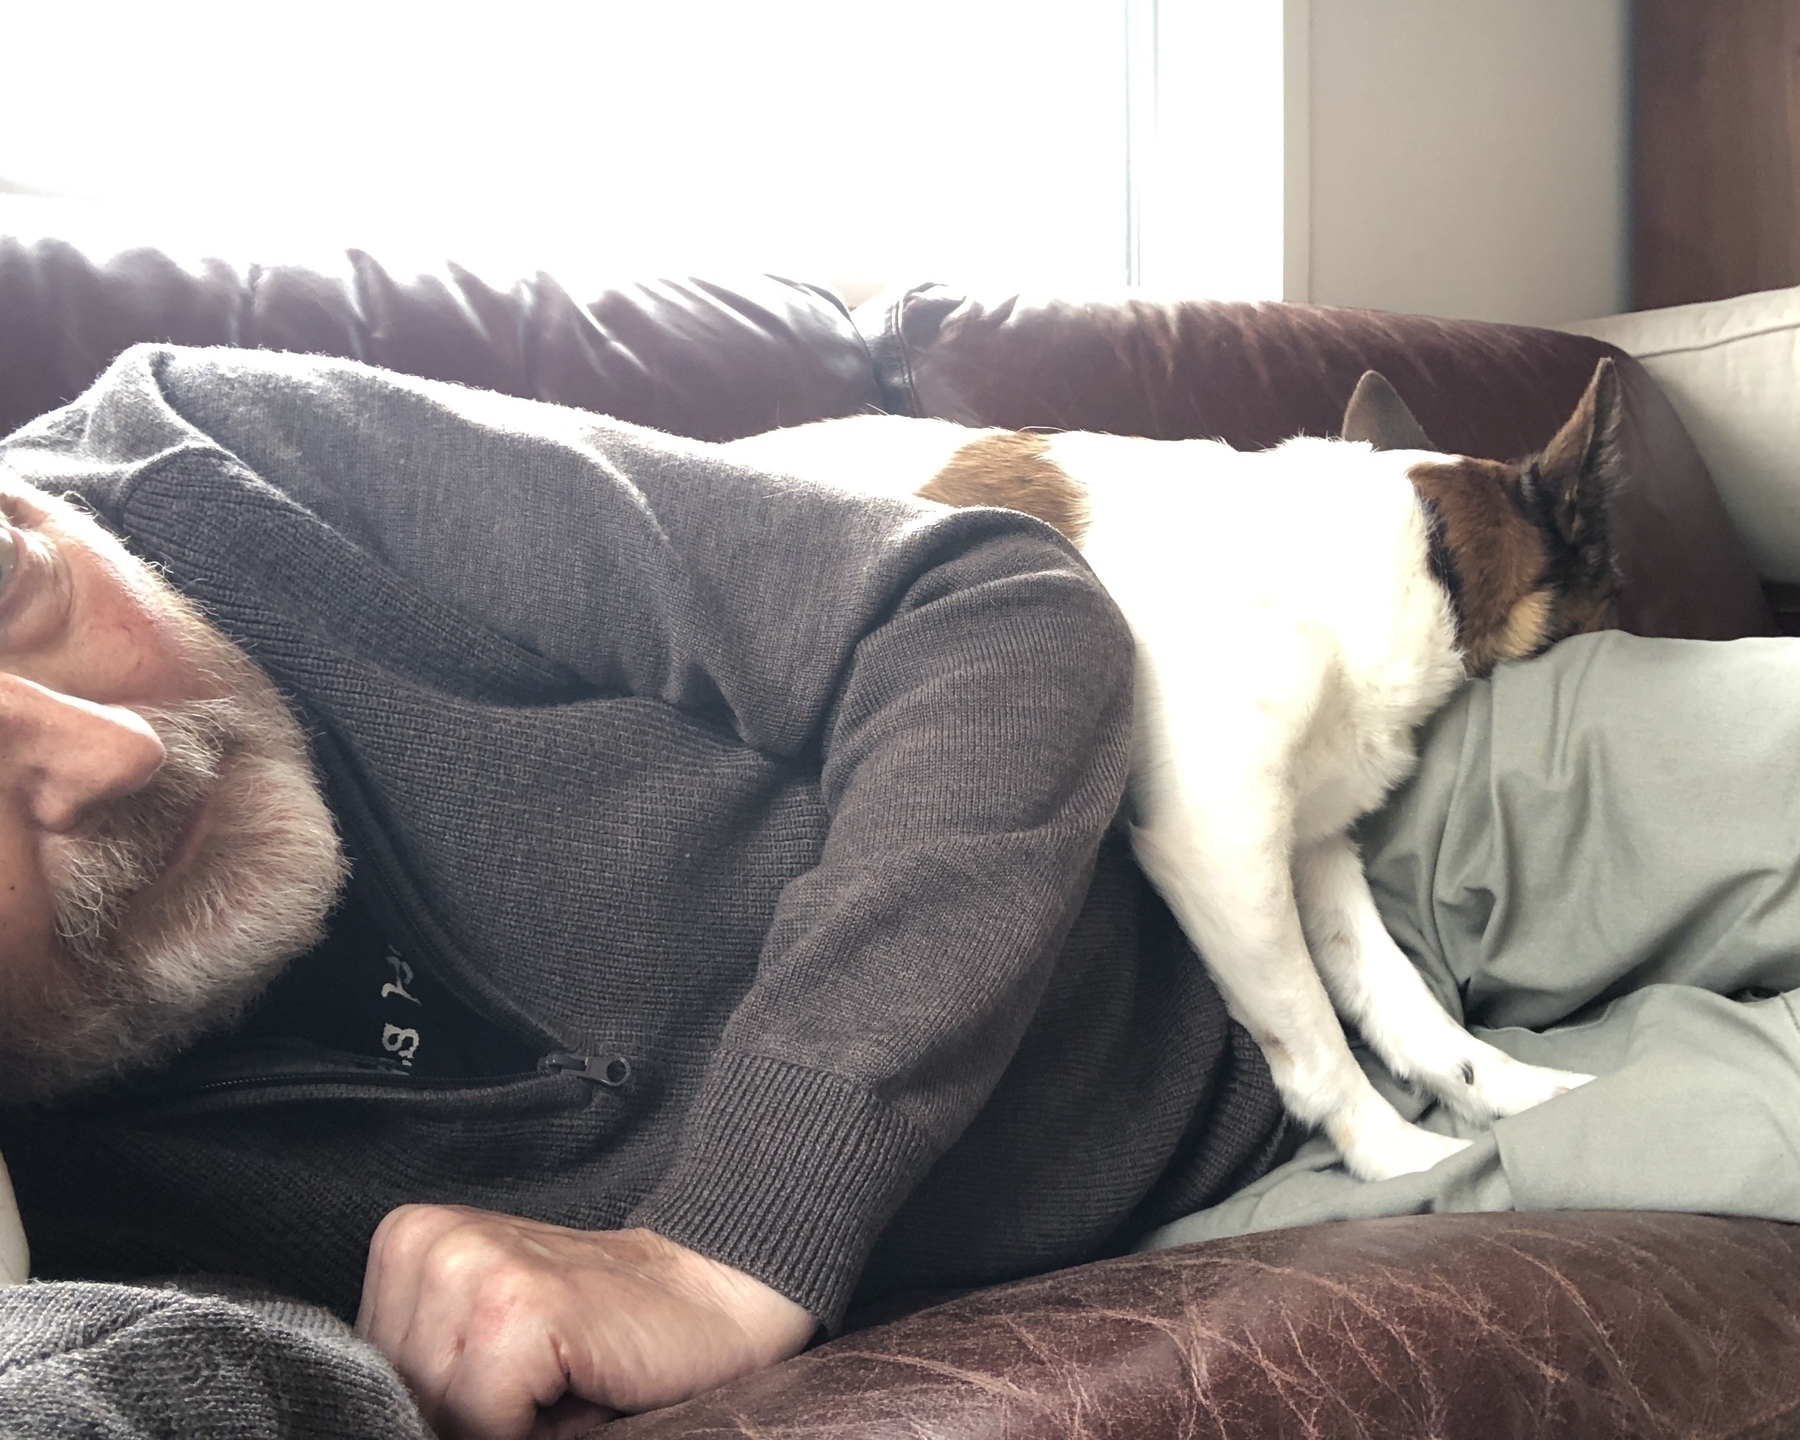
x: 1577, y: 470
x: 1376, y: 413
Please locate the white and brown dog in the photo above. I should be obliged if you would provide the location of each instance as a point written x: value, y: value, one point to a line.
x: 1297, y: 612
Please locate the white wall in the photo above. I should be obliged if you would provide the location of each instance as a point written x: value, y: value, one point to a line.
x: 1467, y: 158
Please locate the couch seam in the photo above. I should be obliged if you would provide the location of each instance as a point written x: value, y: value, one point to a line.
x: 1758, y: 334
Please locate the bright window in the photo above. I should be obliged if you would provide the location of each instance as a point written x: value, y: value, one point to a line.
x: 830, y: 139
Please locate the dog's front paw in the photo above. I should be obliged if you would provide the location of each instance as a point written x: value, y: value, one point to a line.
x: 1505, y: 1086
x: 1382, y: 1150
x: 1474, y: 1079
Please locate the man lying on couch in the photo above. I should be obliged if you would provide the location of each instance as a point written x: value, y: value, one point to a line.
x: 733, y: 914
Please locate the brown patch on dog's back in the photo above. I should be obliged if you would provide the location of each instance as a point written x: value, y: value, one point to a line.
x: 1012, y: 469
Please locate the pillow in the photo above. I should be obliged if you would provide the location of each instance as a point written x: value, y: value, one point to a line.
x: 1731, y: 369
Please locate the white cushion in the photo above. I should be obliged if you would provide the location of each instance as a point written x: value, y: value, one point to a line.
x: 1731, y: 369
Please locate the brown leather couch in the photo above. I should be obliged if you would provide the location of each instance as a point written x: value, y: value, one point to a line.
x: 1579, y: 1325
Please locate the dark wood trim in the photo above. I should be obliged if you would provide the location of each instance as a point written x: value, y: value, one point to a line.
x: 1715, y: 139
x: 1784, y: 600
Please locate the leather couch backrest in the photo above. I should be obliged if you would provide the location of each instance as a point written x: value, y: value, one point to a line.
x: 714, y: 360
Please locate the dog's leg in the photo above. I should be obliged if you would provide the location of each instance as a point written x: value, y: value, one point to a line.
x: 1376, y: 988
x: 1224, y: 870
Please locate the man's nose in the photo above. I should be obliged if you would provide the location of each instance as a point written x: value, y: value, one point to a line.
x: 63, y: 757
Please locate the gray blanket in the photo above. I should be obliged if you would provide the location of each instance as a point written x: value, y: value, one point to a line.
x: 1603, y: 845
x: 126, y: 1362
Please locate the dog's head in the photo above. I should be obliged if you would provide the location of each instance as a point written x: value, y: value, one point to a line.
x: 1521, y: 548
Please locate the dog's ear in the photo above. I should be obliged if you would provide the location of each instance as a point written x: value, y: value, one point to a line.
x: 1578, y: 470
x: 1376, y: 413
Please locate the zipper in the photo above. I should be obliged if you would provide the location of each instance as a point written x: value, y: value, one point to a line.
x: 608, y: 1071
x: 611, y: 1071
x: 379, y: 1079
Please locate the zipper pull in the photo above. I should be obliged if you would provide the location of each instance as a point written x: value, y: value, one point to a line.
x: 611, y: 1071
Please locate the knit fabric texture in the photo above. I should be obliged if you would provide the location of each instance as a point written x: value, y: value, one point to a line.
x: 115, y: 1362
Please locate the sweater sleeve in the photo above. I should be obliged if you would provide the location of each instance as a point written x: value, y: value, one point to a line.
x: 973, y: 756
x: 958, y: 680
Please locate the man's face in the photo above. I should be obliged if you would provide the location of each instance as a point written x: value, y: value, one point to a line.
x: 164, y: 848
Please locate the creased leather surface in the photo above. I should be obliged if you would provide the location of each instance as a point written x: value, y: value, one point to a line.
x: 1458, y: 1327
x: 696, y: 357
x: 1253, y: 375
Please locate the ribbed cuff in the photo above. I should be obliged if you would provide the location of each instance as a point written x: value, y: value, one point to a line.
x: 787, y: 1174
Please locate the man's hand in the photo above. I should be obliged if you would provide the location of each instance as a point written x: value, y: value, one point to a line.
x: 492, y: 1320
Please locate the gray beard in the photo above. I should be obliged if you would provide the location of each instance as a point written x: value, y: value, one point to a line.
x: 139, y: 976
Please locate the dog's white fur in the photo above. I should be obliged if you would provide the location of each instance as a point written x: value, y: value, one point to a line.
x: 1290, y: 636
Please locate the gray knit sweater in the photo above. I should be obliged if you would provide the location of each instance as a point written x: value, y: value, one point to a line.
x: 798, y: 803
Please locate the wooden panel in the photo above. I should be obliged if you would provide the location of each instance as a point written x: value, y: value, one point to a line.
x: 1715, y: 126
x: 1784, y: 600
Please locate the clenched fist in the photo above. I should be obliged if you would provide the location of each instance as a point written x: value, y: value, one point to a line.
x: 510, y: 1329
